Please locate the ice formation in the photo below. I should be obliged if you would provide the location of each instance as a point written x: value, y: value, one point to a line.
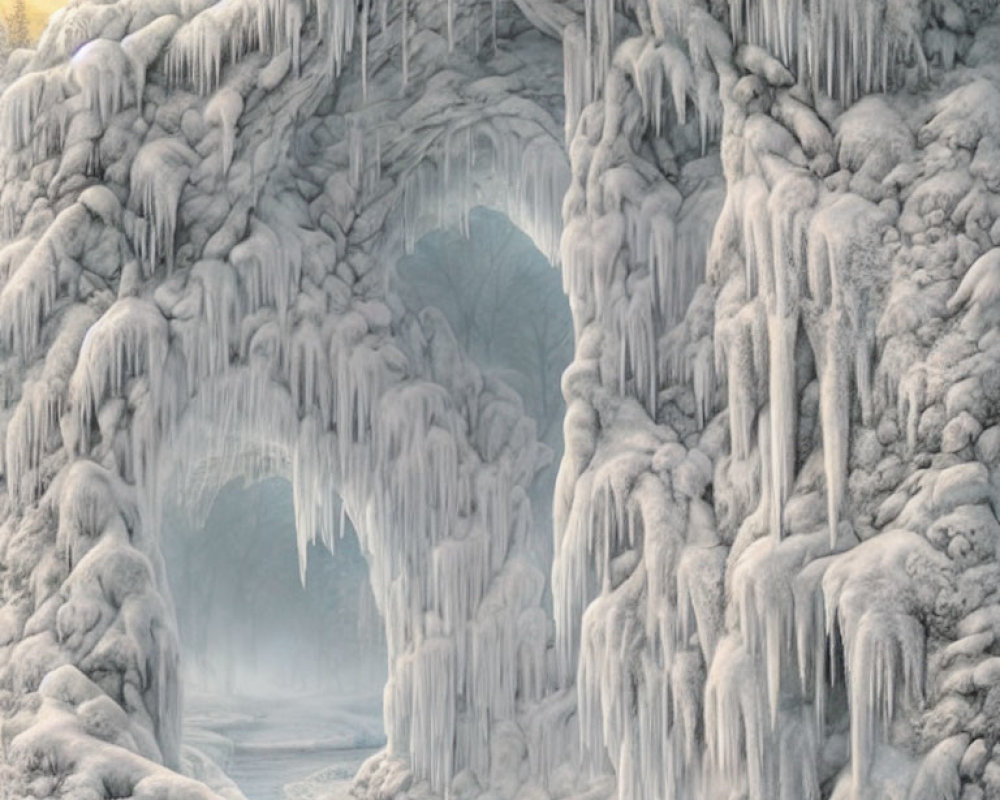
x: 775, y: 521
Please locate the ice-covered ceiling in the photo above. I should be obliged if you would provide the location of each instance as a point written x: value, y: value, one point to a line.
x: 775, y: 535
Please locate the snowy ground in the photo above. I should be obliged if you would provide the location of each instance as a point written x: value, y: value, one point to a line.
x: 266, y: 744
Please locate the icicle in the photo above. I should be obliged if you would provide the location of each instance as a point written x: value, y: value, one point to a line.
x: 476, y: 45
x: 757, y: 252
x: 28, y: 433
x: 224, y: 110
x: 294, y: 21
x: 651, y: 63
x: 740, y: 357
x: 493, y: 24
x: 20, y: 105
x: 313, y: 473
x: 788, y: 207
x: 425, y: 694
x: 336, y: 25
x: 599, y: 16
x: 736, y: 728
x: 221, y: 315
x: 101, y: 69
x: 532, y: 655
x: 884, y: 644
x: 264, y: 270
x: 130, y: 340
x: 159, y: 173
x: 539, y: 183
x: 35, y: 421
x: 451, y: 25
x: 835, y: 418
x: 679, y: 256
x: 405, y: 33
x: 782, y: 333
x: 578, y: 87
x: 365, y: 12
x: 638, y: 360
x: 195, y: 54
x: 461, y: 570
x: 27, y: 299
x: 811, y: 639
x: 838, y: 234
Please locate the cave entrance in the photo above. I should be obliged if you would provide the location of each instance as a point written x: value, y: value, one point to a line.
x: 282, y: 679
x: 284, y: 655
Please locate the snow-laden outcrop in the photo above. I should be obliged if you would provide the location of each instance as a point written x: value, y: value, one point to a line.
x: 776, y: 531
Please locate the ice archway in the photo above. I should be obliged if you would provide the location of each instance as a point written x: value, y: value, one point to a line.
x: 781, y: 431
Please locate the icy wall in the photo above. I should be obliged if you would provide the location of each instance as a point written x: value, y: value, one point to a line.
x: 776, y: 542
x: 776, y: 565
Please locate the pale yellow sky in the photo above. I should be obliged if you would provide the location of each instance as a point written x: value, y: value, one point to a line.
x: 38, y: 12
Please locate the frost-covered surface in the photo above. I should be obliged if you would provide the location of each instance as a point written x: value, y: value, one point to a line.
x: 776, y: 533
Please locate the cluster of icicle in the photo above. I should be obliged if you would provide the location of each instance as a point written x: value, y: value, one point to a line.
x: 849, y: 49
x: 672, y: 64
x: 750, y: 617
x: 226, y: 31
x: 635, y: 246
x: 633, y: 254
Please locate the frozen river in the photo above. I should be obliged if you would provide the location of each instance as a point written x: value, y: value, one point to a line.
x: 263, y: 774
x: 266, y: 745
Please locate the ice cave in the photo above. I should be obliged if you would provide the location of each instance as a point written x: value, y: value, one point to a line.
x: 501, y: 400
